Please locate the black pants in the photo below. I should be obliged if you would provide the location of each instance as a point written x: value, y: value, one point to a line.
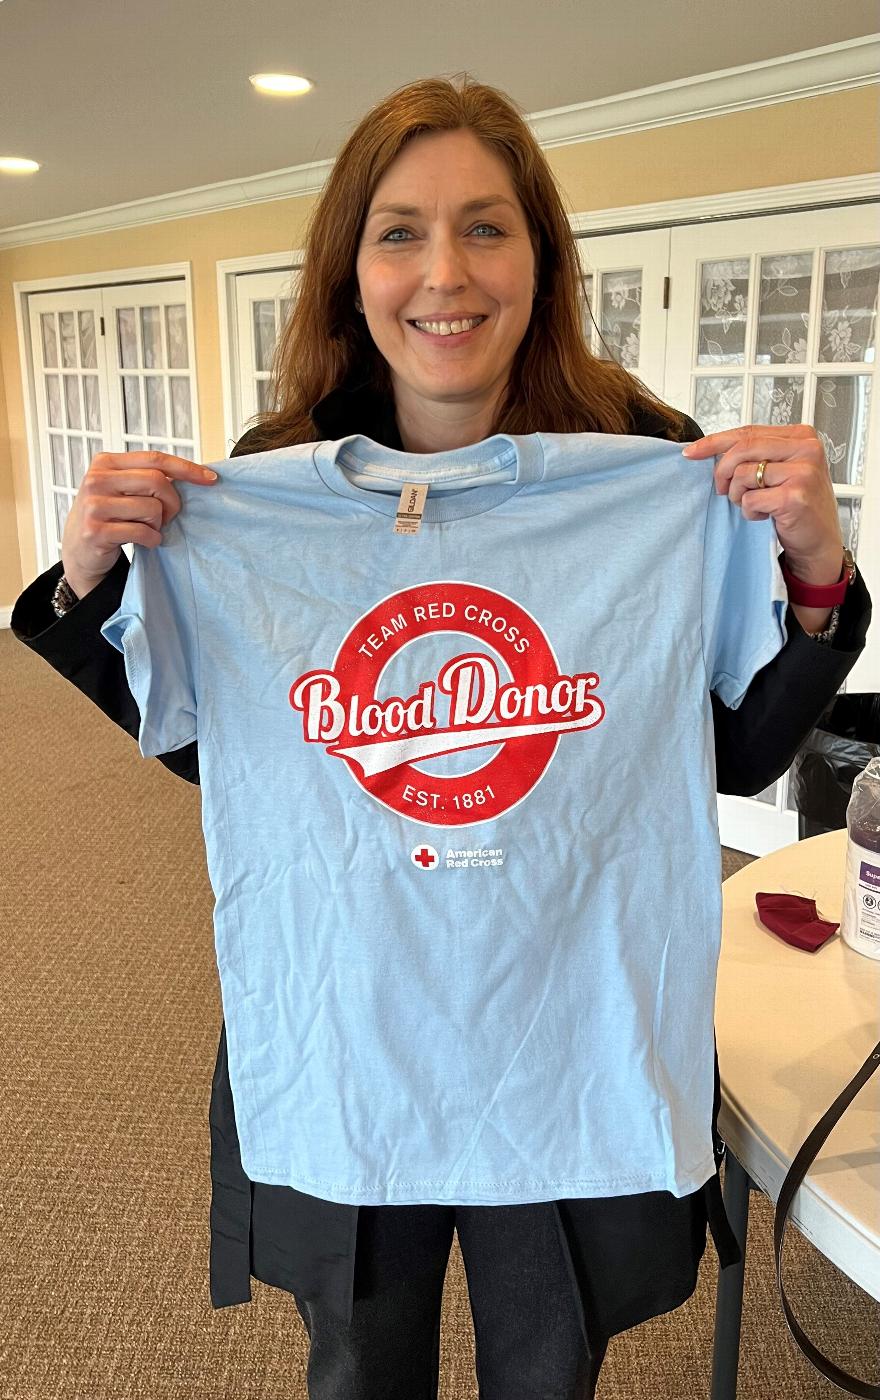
x: 528, y: 1340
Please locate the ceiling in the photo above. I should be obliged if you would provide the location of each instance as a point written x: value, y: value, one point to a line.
x: 122, y: 101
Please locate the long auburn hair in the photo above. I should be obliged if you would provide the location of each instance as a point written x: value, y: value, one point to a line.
x: 556, y: 384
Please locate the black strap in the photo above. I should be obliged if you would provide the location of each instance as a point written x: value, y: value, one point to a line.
x: 796, y: 1173
x: 726, y: 1243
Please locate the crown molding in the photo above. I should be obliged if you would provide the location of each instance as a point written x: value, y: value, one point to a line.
x: 732, y: 204
x: 793, y: 77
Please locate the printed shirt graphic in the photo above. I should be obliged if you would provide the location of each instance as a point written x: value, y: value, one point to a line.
x: 458, y: 801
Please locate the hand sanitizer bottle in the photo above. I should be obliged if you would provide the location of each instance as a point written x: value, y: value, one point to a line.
x: 860, y: 923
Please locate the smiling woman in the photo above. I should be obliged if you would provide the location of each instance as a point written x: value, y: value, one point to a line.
x: 525, y: 1062
x: 441, y: 208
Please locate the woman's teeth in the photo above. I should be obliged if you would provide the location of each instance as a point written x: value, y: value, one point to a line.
x: 448, y: 327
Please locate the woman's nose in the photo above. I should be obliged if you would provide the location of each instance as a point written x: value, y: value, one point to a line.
x: 445, y: 263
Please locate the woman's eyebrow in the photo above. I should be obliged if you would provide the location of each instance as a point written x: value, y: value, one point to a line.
x: 411, y: 211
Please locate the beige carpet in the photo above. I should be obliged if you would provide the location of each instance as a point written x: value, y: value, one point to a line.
x: 110, y: 1017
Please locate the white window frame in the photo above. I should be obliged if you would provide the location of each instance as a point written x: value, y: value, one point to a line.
x: 228, y: 269
x: 107, y: 278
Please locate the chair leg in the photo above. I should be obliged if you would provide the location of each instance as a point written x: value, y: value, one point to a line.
x: 728, y: 1302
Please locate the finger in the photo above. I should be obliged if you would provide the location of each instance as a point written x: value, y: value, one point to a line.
x: 741, y: 479
x: 715, y: 444
x: 136, y: 485
x: 759, y: 503
x: 711, y: 444
x: 155, y: 510
x: 718, y: 443
x: 132, y: 532
x: 770, y: 445
x: 178, y: 468
x: 745, y: 478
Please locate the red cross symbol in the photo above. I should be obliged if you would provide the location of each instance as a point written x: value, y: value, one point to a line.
x: 424, y: 858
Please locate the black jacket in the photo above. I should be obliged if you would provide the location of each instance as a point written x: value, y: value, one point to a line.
x: 307, y: 1245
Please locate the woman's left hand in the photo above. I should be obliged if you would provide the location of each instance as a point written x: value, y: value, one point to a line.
x: 797, y: 490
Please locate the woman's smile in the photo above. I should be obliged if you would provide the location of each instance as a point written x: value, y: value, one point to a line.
x: 447, y: 338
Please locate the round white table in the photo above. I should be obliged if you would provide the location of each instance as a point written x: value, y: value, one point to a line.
x: 792, y: 1028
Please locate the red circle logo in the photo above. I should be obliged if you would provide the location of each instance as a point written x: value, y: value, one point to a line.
x: 382, y: 741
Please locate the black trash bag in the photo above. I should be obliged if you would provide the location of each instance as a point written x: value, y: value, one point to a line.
x: 845, y: 739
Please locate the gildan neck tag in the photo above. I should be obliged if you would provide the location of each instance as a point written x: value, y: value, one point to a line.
x: 410, y: 508
x: 461, y: 482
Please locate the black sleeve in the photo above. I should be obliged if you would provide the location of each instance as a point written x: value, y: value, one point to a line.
x: 73, y: 645
x: 756, y: 743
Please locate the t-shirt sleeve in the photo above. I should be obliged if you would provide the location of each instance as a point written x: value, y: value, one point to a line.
x: 155, y: 627
x: 744, y: 598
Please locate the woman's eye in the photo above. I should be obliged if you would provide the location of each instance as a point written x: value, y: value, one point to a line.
x: 403, y: 230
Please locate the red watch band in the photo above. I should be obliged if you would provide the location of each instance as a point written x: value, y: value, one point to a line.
x: 813, y: 595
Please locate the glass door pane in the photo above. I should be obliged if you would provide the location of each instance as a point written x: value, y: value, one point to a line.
x: 69, y: 375
x: 623, y: 282
x: 263, y: 303
x: 152, y: 368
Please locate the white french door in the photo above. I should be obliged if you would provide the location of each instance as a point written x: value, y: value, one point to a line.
x: 72, y: 389
x: 113, y: 371
x: 624, y: 282
x: 774, y: 320
x: 759, y: 320
x: 262, y: 305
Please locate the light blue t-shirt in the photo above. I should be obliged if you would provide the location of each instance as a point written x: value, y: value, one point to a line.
x: 459, y: 804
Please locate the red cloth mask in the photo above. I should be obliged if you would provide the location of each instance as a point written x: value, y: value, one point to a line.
x: 795, y: 919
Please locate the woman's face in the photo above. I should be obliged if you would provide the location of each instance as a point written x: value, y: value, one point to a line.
x: 439, y: 262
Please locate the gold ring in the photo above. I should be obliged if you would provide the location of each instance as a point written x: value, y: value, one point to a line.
x: 761, y: 466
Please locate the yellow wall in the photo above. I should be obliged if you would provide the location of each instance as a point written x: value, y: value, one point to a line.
x: 778, y: 144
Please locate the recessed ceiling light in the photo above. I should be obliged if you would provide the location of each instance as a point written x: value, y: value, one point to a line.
x: 279, y: 82
x: 17, y: 164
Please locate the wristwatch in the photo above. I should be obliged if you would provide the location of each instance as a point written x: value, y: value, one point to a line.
x: 63, y: 598
x: 813, y: 595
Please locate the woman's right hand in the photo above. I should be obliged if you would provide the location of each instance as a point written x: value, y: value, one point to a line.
x: 125, y: 498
